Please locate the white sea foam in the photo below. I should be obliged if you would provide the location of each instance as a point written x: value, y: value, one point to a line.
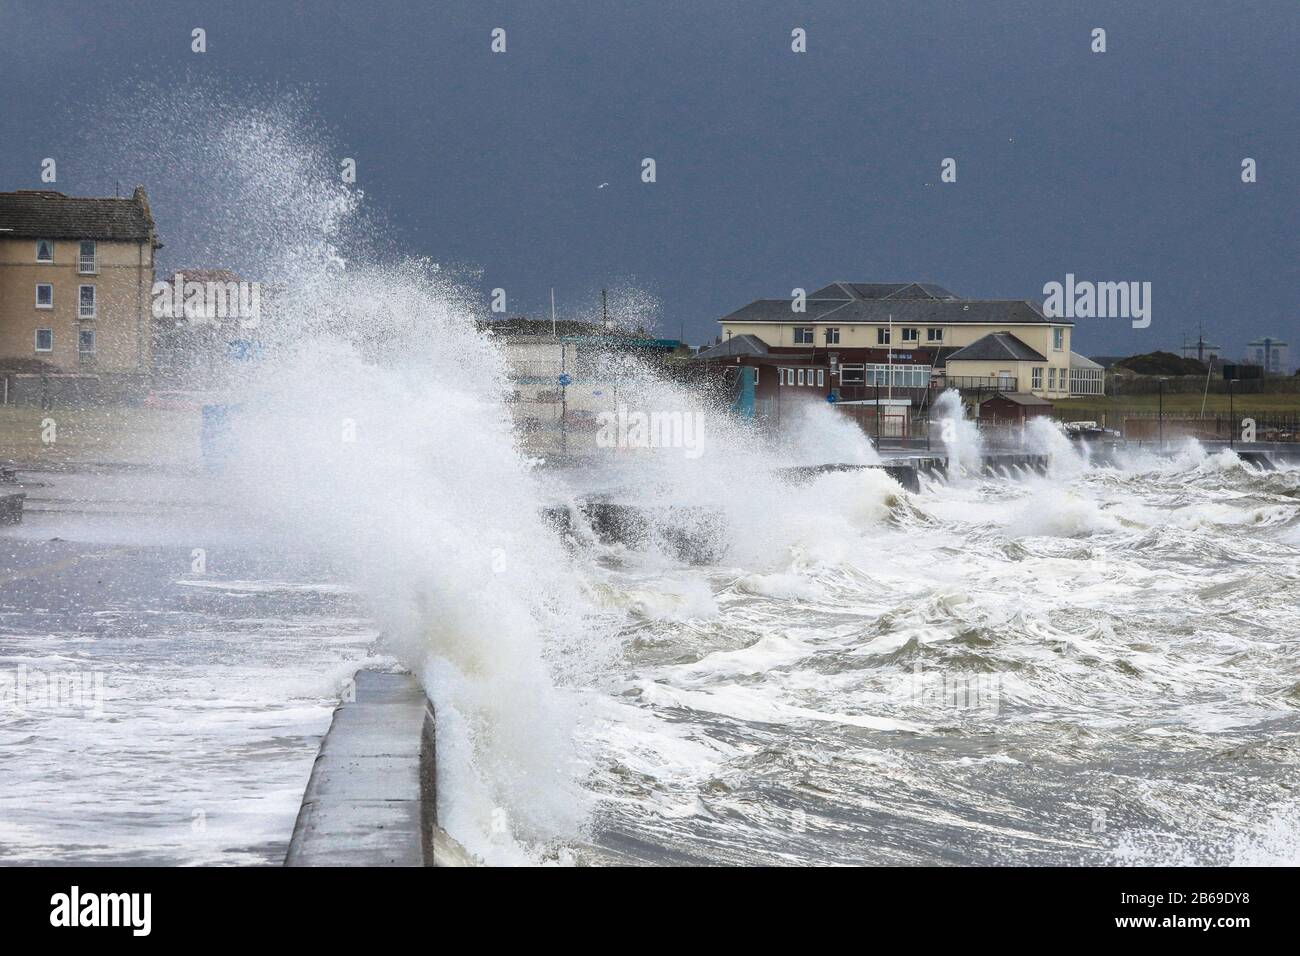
x: 816, y: 434
x: 959, y: 435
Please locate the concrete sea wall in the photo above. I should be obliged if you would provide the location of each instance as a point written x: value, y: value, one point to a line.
x: 372, y: 796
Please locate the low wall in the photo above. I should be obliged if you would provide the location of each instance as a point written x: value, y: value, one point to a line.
x: 371, y: 799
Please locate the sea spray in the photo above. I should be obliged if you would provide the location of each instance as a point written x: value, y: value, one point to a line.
x: 372, y: 431
x: 353, y: 442
x: 959, y: 436
x: 731, y: 487
x: 1066, y: 458
x: 815, y: 433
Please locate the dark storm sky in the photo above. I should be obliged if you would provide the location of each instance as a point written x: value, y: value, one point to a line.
x: 775, y: 170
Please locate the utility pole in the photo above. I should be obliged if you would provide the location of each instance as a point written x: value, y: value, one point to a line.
x: 604, y: 308
x: 891, y: 358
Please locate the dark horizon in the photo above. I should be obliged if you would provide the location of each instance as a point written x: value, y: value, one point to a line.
x: 774, y: 169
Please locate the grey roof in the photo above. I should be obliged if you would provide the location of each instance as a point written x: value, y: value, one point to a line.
x: 996, y: 347
x: 1020, y: 398
x: 736, y: 345
x: 45, y: 214
x: 781, y: 310
x: 916, y: 312
x: 941, y: 354
x: 882, y: 290
x: 1082, y: 361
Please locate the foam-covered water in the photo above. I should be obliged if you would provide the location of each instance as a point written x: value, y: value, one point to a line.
x: 1096, y: 666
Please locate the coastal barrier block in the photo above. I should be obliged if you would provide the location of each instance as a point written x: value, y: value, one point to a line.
x: 905, y: 475
x: 692, y: 534
x: 903, y: 472
x: 1260, y: 459
x: 371, y: 799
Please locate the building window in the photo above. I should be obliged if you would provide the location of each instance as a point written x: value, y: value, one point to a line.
x: 882, y: 336
x: 45, y: 340
x: 780, y: 375
x: 44, y: 250
x: 911, y: 335
x: 821, y: 378
x: 1058, y: 339
x: 86, y: 304
x: 86, y: 342
x: 1087, y: 381
x: 800, y: 376
x: 852, y: 375
x: 1037, y: 378
x: 86, y: 258
x: 900, y: 376
x: 1051, y: 379
x: 803, y: 335
x: 44, y: 295
x: 934, y: 335
x: 832, y: 336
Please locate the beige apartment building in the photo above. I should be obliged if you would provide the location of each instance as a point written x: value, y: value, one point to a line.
x: 908, y: 330
x: 76, y: 281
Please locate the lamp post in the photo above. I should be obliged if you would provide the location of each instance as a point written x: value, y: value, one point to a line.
x: 564, y: 380
x: 929, y: 414
x: 1232, y: 416
x: 877, y: 411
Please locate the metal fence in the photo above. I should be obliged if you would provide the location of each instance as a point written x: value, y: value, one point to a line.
x: 1148, y: 426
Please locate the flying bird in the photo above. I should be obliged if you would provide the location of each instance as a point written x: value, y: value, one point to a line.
x: 602, y: 185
